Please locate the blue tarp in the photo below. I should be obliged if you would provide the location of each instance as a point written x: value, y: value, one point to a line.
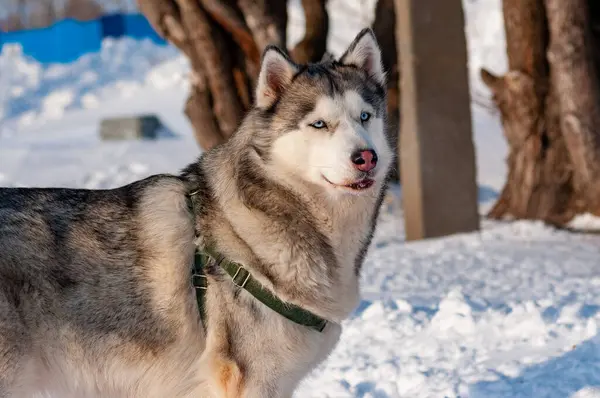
x: 67, y: 40
x: 138, y: 27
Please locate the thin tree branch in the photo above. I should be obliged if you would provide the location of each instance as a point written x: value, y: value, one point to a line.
x: 165, y: 18
x: 263, y: 26
x: 232, y: 22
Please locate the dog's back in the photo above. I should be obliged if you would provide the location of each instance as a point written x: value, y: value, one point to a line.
x: 73, y: 268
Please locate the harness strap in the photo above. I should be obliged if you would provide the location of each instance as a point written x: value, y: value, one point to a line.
x: 243, y: 279
x: 200, y: 283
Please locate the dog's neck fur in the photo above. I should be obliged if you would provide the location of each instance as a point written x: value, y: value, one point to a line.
x: 311, y: 246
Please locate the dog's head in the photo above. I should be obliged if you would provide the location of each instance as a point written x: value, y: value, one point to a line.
x: 326, y: 121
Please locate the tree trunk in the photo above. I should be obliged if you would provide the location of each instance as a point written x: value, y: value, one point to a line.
x: 573, y: 73
x: 314, y: 44
x: 384, y: 23
x: 548, y: 104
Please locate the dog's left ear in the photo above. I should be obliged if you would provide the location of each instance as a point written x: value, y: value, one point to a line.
x: 365, y: 54
x: 276, y: 73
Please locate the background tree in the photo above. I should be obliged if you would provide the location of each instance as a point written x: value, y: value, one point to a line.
x: 550, y: 107
x: 384, y: 27
x: 14, y: 15
x: 224, y: 40
x: 82, y: 10
x: 28, y: 14
x: 42, y: 13
x: 12, y: 23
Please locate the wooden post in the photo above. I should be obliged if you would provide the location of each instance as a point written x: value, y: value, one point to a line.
x: 436, y: 151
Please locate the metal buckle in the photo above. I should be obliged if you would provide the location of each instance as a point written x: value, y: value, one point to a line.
x: 205, y: 286
x: 240, y: 268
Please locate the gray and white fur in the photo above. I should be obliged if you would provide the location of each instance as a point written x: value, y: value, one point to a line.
x: 95, y: 292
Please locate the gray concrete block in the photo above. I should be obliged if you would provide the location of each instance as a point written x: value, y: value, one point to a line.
x: 140, y: 127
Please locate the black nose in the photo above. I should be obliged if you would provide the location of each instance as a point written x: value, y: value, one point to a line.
x: 364, y: 159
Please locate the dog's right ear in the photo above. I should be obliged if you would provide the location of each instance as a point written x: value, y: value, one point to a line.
x: 276, y: 73
x: 365, y: 54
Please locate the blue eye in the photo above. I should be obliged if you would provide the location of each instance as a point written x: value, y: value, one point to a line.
x: 365, y: 116
x: 319, y: 124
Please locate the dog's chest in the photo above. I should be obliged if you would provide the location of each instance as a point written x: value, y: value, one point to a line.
x: 350, y: 232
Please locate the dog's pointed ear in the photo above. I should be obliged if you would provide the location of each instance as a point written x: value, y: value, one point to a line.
x: 364, y: 53
x: 276, y: 73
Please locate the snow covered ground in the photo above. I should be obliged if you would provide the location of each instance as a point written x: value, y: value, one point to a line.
x: 512, y: 311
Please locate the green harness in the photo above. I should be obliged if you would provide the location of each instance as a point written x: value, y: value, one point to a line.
x: 242, y: 279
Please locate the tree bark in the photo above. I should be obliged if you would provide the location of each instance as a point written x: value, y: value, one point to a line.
x: 198, y: 109
x: 384, y: 23
x: 539, y: 181
x: 573, y: 74
x: 314, y: 44
x: 231, y: 20
x: 262, y: 22
x: 208, y: 44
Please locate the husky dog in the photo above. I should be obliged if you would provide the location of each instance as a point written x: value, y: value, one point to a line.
x: 96, y: 298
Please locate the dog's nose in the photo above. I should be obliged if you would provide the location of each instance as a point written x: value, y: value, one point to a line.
x: 364, y: 160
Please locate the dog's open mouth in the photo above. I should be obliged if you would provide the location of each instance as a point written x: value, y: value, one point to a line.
x: 360, y: 185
